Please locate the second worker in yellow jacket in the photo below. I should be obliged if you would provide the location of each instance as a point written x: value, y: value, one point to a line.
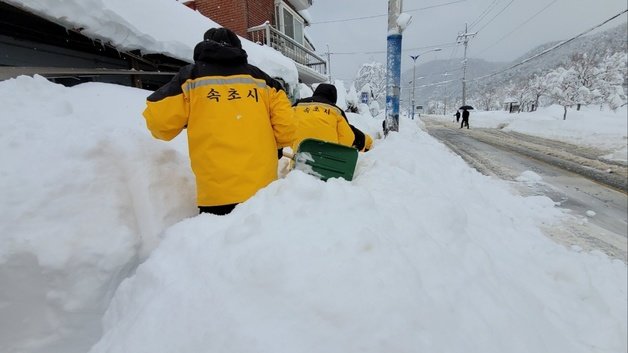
x: 318, y: 117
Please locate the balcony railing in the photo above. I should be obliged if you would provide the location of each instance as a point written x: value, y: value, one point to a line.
x: 267, y: 34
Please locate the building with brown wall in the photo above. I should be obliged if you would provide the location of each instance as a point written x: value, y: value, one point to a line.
x: 238, y: 15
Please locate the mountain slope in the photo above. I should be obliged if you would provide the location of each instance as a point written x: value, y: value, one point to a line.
x: 611, y: 40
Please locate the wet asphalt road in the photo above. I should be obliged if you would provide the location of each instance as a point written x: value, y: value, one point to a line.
x: 576, y: 177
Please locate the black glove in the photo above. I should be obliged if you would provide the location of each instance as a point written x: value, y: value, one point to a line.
x: 359, y: 138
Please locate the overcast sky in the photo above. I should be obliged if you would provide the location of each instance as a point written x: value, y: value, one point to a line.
x: 355, y: 30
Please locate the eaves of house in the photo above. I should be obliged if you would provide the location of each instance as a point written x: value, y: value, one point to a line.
x: 32, y: 45
x: 48, y: 39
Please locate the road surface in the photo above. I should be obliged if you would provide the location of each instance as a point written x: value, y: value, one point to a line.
x: 576, y: 177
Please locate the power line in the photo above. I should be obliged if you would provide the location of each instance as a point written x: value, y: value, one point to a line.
x: 521, y: 25
x: 451, y: 56
x: 535, y: 56
x: 347, y: 19
x: 446, y: 45
x: 552, y: 48
x: 433, y: 6
x: 494, y: 17
x: 483, y: 14
x: 385, y: 15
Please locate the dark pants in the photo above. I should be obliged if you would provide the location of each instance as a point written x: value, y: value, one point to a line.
x: 465, y: 121
x: 217, y: 210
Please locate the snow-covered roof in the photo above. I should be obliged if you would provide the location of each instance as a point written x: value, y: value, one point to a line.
x: 300, y: 5
x: 306, y: 15
x: 151, y: 26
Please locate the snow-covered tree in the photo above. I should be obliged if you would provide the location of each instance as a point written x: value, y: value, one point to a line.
x: 487, y: 98
x: 536, y: 89
x: 433, y: 107
x: 522, y: 94
x: 609, y: 78
x: 585, y: 67
x: 373, y: 74
x: 509, y: 93
x: 564, y: 87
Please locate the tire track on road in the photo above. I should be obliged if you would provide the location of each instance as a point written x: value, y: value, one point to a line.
x: 585, y: 161
x: 572, y: 176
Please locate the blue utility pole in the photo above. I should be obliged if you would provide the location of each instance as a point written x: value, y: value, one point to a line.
x: 393, y: 66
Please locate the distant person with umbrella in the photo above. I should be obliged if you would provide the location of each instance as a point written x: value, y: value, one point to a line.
x: 465, y: 115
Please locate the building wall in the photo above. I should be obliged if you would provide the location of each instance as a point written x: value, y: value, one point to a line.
x: 238, y: 15
x: 261, y: 11
x: 227, y: 13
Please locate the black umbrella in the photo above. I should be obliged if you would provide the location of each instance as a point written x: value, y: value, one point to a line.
x: 466, y: 107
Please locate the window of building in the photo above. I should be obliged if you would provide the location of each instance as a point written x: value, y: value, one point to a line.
x: 291, y: 23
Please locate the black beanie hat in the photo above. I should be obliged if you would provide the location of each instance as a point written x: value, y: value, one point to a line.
x: 223, y: 36
x: 327, y: 91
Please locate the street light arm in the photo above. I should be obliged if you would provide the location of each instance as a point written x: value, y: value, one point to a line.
x: 414, y: 57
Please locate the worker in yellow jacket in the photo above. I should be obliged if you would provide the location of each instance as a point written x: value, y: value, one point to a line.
x: 318, y: 117
x: 236, y: 116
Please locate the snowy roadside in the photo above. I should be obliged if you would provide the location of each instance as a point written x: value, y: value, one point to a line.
x: 418, y: 242
x: 586, y: 160
x: 590, y: 127
x: 499, y: 153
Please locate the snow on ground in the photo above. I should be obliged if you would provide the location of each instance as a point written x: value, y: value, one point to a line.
x: 604, y: 129
x: 418, y: 253
x: 529, y: 177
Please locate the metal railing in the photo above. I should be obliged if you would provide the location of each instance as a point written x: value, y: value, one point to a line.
x: 267, y: 34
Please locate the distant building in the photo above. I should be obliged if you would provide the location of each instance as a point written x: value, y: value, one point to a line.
x: 511, y: 105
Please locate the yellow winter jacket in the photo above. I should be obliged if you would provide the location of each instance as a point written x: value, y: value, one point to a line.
x: 321, y: 121
x: 236, y: 116
x: 368, y: 143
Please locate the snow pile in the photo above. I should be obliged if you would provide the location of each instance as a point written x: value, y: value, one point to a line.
x: 405, y: 258
x: 86, y: 192
x: 341, y: 101
x: 418, y: 253
x: 529, y: 177
x: 305, y: 90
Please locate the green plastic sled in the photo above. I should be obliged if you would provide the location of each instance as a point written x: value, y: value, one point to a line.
x: 326, y: 159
